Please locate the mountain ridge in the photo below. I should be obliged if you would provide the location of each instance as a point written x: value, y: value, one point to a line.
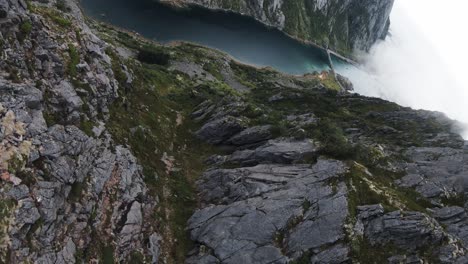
x: 114, y: 148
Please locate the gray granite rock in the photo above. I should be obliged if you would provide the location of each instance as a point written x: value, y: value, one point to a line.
x: 220, y: 130
x: 252, y: 135
x: 72, y: 183
x: 281, y: 150
x: 131, y: 231
x: 369, y: 212
x: 407, y: 230
x: 204, y: 259
x: 67, y: 254
x: 435, y: 172
x: 334, y: 255
x: 456, y: 221
x: 155, y: 247
x: 257, y: 203
x: 19, y: 192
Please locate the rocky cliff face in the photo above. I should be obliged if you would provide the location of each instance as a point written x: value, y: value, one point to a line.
x: 68, y: 191
x: 117, y: 149
x: 344, y: 26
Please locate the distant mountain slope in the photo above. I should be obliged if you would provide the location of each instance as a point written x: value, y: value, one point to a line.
x: 344, y: 25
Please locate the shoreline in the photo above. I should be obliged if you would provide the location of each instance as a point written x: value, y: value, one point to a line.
x: 174, y: 43
x: 176, y: 4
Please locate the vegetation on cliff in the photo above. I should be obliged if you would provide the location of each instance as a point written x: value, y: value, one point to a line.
x: 163, y: 94
x: 130, y: 151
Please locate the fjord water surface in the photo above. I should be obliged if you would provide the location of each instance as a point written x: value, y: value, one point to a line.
x: 242, y: 37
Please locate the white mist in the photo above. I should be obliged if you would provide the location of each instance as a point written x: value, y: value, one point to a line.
x: 423, y: 63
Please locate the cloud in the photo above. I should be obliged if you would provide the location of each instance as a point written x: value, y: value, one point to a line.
x: 422, y: 64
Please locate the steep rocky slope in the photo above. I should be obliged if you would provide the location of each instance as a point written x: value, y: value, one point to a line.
x: 335, y: 178
x: 344, y: 26
x: 68, y: 191
x: 117, y: 149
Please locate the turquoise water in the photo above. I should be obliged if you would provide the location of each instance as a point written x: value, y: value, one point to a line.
x: 242, y: 37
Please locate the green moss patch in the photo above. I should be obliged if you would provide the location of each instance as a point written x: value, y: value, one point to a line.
x: 74, y: 59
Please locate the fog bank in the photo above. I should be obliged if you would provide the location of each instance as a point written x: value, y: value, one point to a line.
x: 422, y: 63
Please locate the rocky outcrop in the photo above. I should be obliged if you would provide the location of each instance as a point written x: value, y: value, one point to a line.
x: 264, y: 213
x: 219, y: 130
x: 281, y: 201
x: 67, y: 194
x: 409, y: 231
x: 341, y: 25
x: 436, y: 172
